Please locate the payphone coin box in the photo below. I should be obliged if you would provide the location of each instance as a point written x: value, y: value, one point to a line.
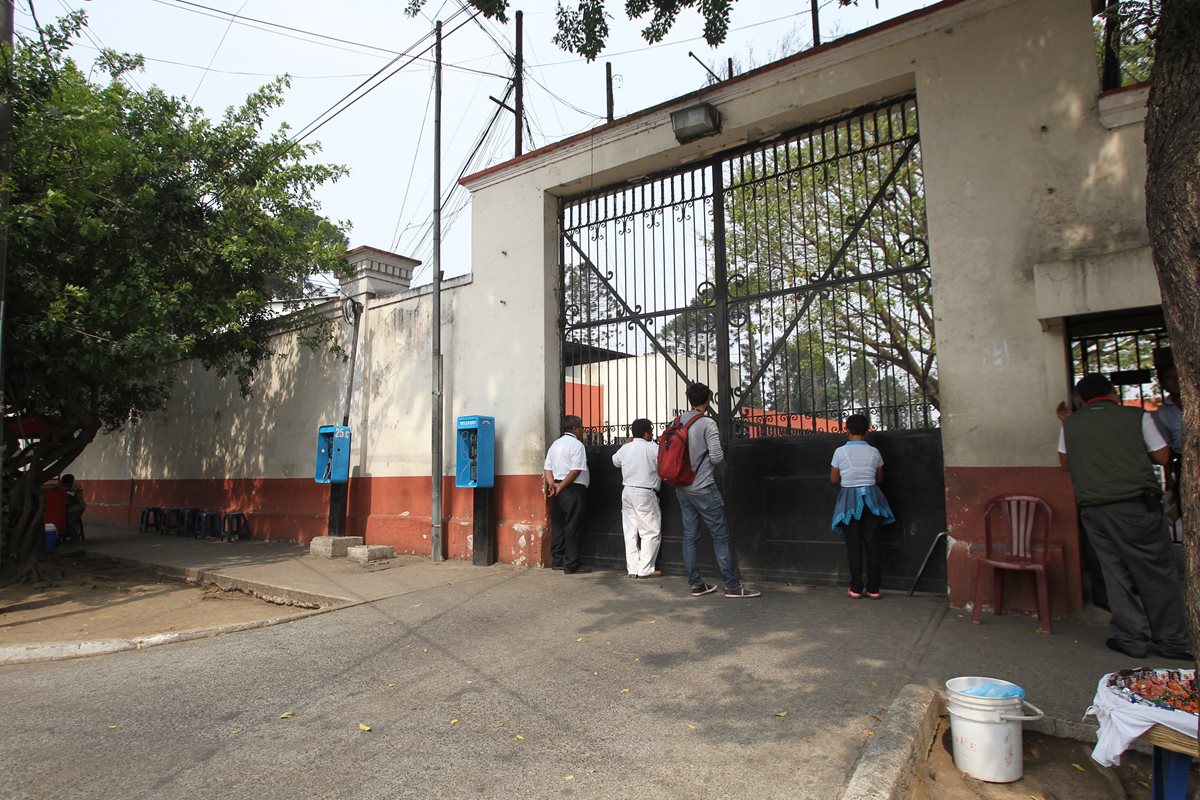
x: 333, y: 454
x: 475, y: 453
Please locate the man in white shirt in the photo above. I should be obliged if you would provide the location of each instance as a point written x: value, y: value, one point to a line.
x: 566, y: 475
x: 641, y: 517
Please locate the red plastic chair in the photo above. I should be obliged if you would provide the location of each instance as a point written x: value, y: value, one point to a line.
x: 1025, y: 528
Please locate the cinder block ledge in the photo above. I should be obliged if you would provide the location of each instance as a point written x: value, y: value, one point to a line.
x: 333, y: 546
x: 364, y: 553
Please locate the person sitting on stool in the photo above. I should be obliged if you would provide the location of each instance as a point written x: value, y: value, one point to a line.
x: 75, y: 507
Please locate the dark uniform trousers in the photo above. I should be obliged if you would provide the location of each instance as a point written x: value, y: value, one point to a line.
x: 566, y: 526
x: 1134, y: 549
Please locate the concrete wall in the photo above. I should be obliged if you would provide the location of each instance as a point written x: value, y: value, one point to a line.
x: 1035, y: 212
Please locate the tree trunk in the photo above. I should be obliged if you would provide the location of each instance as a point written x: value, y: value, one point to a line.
x: 24, y: 500
x: 1173, y: 219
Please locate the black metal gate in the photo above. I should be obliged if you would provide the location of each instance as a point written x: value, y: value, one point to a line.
x: 793, y: 278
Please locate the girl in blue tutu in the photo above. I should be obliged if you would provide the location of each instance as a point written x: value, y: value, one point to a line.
x: 861, y: 507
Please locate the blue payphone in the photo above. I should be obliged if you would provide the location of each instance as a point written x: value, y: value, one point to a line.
x: 475, y: 453
x: 333, y: 454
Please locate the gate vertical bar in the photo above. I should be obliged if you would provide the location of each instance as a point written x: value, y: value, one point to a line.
x: 721, y: 281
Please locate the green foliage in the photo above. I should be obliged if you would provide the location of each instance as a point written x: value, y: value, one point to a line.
x: 838, y: 209
x: 140, y: 233
x: 583, y: 28
x: 1136, y: 21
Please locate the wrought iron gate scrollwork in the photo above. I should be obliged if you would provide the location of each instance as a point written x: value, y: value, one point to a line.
x: 792, y: 277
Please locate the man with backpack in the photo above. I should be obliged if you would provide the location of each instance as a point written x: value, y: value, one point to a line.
x: 690, y: 471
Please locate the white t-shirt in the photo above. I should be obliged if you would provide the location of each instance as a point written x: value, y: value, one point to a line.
x: 566, y: 454
x: 638, y: 460
x: 857, y: 462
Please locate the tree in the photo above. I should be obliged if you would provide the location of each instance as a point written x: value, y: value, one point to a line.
x: 583, y: 29
x: 1173, y: 219
x: 139, y: 233
x: 857, y: 231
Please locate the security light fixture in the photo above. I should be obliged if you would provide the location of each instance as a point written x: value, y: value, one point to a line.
x: 695, y: 122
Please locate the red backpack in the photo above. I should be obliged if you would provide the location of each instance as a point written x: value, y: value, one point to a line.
x: 674, y: 461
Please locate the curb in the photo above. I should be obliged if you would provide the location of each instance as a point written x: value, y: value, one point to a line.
x: 279, y: 595
x: 283, y: 596
x: 888, y: 764
x: 886, y: 768
x: 56, y: 651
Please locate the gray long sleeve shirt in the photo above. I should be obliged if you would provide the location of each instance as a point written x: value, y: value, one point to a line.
x: 703, y: 437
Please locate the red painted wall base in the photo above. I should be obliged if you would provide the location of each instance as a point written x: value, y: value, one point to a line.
x: 394, y: 511
x: 968, y: 490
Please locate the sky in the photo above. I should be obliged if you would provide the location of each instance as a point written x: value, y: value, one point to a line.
x: 216, y: 52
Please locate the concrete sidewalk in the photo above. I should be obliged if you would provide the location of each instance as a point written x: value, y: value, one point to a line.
x: 896, y: 652
x: 1058, y: 671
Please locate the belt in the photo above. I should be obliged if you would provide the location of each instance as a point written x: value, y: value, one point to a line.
x: 647, y: 488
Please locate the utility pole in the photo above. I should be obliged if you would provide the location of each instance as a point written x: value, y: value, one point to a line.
x: 519, y: 86
x: 436, y: 471
x: 608, y: 88
x: 339, y: 493
x: 816, y: 24
x: 6, y: 41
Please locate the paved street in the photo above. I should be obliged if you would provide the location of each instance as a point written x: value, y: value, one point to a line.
x: 580, y: 686
x: 533, y: 665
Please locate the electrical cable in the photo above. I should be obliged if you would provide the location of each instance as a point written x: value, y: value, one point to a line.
x: 248, y: 23
x: 101, y: 47
x: 318, y: 122
x: 455, y: 186
x: 228, y: 28
x: 412, y: 169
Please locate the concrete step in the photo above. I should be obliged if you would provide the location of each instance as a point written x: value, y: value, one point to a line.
x: 333, y: 546
x: 370, y: 552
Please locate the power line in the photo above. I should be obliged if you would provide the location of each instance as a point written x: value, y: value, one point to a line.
x: 456, y: 191
x: 228, y: 28
x: 329, y: 114
x: 237, y: 17
x: 247, y: 22
x: 412, y: 169
x: 100, y: 46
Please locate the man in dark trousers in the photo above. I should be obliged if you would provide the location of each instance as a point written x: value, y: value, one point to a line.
x: 1108, y: 449
x: 567, y: 478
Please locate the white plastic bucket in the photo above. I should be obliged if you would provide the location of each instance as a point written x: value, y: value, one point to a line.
x: 986, y: 731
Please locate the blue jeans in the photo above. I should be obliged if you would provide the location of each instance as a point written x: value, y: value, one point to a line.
x: 706, y: 504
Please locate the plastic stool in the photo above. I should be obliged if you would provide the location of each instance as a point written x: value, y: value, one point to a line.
x: 152, y: 517
x: 235, y: 525
x: 172, y: 520
x: 208, y: 522
x: 191, y: 521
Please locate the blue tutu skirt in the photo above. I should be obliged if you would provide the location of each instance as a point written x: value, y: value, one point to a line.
x: 851, y: 501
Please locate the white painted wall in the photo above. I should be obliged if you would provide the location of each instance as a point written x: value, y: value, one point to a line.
x: 1022, y: 180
